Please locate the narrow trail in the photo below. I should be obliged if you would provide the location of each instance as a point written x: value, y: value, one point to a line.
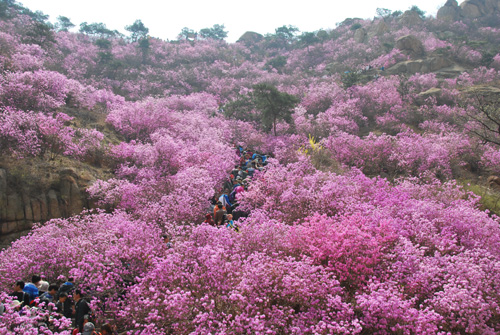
x: 223, y: 211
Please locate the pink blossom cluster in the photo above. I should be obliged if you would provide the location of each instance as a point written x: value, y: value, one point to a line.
x: 407, y: 152
x: 34, y: 134
x: 387, y: 244
x: 320, y: 253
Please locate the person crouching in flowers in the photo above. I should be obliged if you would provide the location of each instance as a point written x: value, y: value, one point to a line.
x: 230, y: 223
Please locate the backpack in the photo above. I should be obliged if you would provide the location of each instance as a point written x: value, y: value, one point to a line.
x: 66, y: 289
x: 232, y: 196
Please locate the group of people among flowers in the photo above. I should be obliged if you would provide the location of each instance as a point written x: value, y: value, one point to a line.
x: 224, y: 211
x: 57, y: 300
x: 60, y: 302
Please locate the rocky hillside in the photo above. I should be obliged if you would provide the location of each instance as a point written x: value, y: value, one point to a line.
x: 373, y: 214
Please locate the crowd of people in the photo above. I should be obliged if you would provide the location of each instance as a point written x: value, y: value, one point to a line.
x: 224, y: 208
x: 61, y: 300
x: 67, y: 300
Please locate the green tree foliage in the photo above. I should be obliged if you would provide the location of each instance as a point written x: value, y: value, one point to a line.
x: 383, y: 12
x: 39, y: 33
x: 241, y: 109
x: 187, y: 34
x: 137, y: 30
x: 144, y: 48
x: 286, y: 33
x: 63, y: 23
x: 5, y: 6
x: 397, y: 13
x: 322, y: 35
x: 307, y: 39
x: 417, y: 10
x: 217, y: 32
x: 283, y: 37
x: 9, y: 9
x: 273, y: 105
x: 349, y: 79
x: 355, y: 26
x: 277, y: 63
x: 97, y: 29
x: 103, y: 44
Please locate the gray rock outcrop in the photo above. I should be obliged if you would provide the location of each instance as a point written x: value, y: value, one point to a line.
x: 449, y: 12
x: 250, y: 37
x: 410, y: 45
x: 429, y: 64
x: 360, y: 35
x: 19, y: 210
x: 410, y: 19
x: 469, y: 9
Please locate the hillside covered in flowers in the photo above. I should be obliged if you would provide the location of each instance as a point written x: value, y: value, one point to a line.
x: 376, y: 211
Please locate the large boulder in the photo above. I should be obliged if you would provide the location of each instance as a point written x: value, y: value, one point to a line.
x: 250, y: 37
x: 15, y: 210
x: 408, y: 67
x: 381, y: 28
x: 426, y: 65
x: 53, y: 205
x: 71, y: 196
x: 450, y: 11
x: 3, y: 194
x: 477, y: 8
x: 438, y: 63
x: 435, y: 93
x: 494, y: 182
x: 360, y: 35
x: 410, y: 45
x: 471, y: 10
x: 491, y: 6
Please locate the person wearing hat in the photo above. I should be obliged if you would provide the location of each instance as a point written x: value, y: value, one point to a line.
x: 89, y: 329
x: 16, y: 305
x: 42, y: 286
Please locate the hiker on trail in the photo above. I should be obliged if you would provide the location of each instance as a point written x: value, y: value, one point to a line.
x: 50, y: 295
x: 19, y: 294
x: 230, y: 222
x: 224, y: 199
x: 107, y: 329
x: 216, y: 208
x: 82, y: 309
x: 31, y: 289
x: 251, y: 170
x: 219, y: 216
x: 234, y: 172
x: 63, y: 308
x: 167, y: 242
x: 243, y: 174
x: 89, y: 329
x: 67, y: 287
x: 208, y: 219
x: 228, y: 184
x: 41, y: 285
x: 236, y: 182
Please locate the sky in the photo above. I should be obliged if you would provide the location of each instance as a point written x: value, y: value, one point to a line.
x: 165, y: 18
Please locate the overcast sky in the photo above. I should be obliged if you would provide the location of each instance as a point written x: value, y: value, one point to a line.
x: 165, y: 19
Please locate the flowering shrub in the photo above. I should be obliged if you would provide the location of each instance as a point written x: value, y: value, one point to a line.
x: 34, y: 91
x: 355, y: 225
x: 32, y: 321
x: 33, y: 134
